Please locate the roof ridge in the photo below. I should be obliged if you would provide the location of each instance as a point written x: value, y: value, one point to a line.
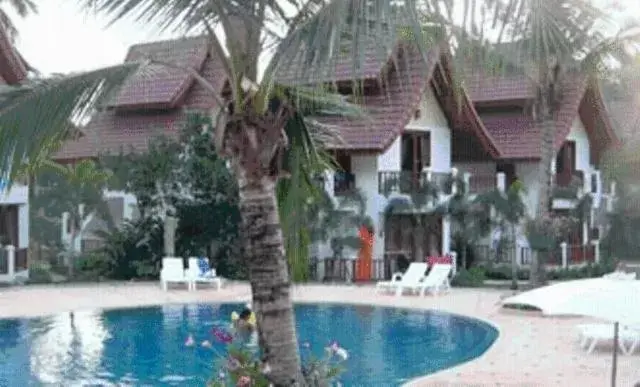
x: 156, y: 42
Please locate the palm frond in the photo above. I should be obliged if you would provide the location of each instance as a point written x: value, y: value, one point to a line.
x: 34, y: 115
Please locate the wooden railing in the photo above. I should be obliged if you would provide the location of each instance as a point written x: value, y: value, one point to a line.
x: 406, y: 182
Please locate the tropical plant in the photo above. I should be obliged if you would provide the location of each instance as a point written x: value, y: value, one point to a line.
x: 76, y: 190
x: 510, y: 211
x: 421, y: 200
x: 470, y: 220
x: 548, y: 41
x: 23, y: 8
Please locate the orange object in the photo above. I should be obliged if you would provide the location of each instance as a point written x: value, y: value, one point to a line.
x: 363, y: 264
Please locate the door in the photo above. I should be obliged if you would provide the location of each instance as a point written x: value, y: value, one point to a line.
x: 416, y: 154
x: 565, y: 163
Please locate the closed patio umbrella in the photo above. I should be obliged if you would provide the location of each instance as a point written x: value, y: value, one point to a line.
x: 613, y: 300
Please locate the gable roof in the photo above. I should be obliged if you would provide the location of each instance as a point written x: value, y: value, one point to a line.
x: 130, y: 129
x: 403, y: 83
x: 157, y: 86
x: 517, y: 135
x: 13, y: 68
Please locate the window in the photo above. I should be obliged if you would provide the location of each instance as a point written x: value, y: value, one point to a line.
x: 416, y: 151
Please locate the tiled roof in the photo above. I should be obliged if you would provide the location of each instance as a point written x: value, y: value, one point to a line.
x: 158, y: 86
x: 386, y: 114
x: 625, y: 116
x: 111, y: 130
x: 13, y: 68
x: 369, y: 65
x: 516, y: 134
x: 483, y: 88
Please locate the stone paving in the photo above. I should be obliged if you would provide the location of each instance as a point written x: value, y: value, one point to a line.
x: 530, y: 351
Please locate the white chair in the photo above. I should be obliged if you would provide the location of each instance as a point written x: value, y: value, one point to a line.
x: 410, y: 280
x: 620, y: 275
x: 437, y: 281
x: 199, y: 271
x: 173, y: 272
x: 593, y: 334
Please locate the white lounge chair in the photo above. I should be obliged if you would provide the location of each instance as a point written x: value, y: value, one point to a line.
x: 200, y: 271
x: 437, y: 281
x: 410, y: 280
x: 173, y: 272
x: 620, y: 275
x: 593, y: 334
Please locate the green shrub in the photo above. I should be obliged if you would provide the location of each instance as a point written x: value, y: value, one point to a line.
x: 40, y: 274
x: 94, y: 266
x: 590, y: 270
x: 471, y: 278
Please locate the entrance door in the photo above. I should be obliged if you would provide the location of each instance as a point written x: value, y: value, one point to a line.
x: 566, y: 163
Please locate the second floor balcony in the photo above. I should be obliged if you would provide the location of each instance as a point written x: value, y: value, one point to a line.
x: 407, y: 182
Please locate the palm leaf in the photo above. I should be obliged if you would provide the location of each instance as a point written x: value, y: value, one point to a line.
x: 34, y: 115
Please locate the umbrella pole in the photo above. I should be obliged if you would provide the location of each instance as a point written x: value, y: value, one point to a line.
x: 614, y: 363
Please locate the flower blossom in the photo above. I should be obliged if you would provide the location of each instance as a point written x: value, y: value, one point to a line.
x: 222, y: 336
x: 244, y: 381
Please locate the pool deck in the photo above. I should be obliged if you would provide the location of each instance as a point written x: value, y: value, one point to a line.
x: 530, y: 351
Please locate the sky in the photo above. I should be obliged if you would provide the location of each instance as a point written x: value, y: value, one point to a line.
x: 62, y: 38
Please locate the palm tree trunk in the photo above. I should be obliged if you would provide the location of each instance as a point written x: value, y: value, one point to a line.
x: 544, y: 177
x: 514, y: 257
x: 269, y: 277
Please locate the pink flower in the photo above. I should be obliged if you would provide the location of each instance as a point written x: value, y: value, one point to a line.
x: 244, y: 381
x: 222, y: 336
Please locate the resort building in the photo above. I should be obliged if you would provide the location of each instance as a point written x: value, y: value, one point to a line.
x: 14, y: 201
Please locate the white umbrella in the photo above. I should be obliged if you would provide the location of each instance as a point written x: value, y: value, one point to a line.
x: 614, y: 300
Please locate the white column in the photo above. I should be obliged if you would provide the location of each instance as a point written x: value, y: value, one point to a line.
x: 585, y: 233
x: 596, y: 248
x: 446, y: 235
x: 23, y: 226
x: 11, y: 261
x: 501, y: 181
x: 565, y: 255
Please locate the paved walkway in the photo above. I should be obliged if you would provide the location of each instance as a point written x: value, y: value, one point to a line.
x: 530, y: 351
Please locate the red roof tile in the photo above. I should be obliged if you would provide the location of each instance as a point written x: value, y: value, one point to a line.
x: 13, y: 68
x: 158, y: 86
x: 517, y: 136
x: 484, y: 88
x: 369, y: 65
x: 387, y: 113
x: 110, y: 130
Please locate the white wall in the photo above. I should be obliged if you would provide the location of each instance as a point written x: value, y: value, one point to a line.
x: 23, y: 226
x: 433, y: 120
x: 366, y: 168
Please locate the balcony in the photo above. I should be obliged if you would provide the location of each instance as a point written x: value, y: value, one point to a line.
x: 406, y: 182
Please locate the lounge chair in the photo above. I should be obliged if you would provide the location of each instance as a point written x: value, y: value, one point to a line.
x: 437, y: 281
x: 200, y: 271
x: 593, y: 334
x: 620, y: 275
x: 173, y: 271
x: 411, y: 280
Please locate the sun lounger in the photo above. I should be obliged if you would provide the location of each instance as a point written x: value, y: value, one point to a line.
x: 593, y: 334
x: 173, y: 272
x: 409, y: 280
x: 620, y: 275
x: 437, y: 281
x: 200, y: 272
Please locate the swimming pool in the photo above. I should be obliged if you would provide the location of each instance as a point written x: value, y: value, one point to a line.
x: 145, y: 346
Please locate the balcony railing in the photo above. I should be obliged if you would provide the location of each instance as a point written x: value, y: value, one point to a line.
x: 405, y: 182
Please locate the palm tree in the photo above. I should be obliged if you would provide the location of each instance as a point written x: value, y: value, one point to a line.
x: 250, y: 123
x: 23, y: 8
x: 421, y: 200
x: 77, y: 190
x: 510, y: 211
x: 470, y: 219
x: 548, y: 41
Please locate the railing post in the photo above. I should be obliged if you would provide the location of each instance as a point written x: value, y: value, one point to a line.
x: 501, y: 181
x: 596, y: 250
x: 565, y: 255
x: 11, y: 260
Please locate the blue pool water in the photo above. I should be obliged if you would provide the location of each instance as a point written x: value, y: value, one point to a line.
x: 145, y: 346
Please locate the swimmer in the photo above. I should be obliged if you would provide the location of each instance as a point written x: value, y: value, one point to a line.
x: 189, y: 341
